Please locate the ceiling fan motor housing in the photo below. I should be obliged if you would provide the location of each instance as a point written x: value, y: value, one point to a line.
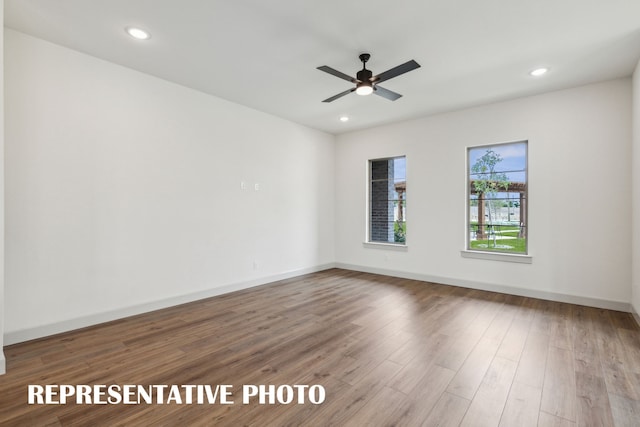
x: 364, y: 75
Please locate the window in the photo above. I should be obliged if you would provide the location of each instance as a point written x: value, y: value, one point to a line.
x: 497, y: 198
x: 387, y: 200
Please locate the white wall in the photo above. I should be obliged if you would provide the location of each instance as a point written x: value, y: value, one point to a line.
x: 579, y: 150
x: 2, y: 358
x: 635, y: 167
x: 124, y: 192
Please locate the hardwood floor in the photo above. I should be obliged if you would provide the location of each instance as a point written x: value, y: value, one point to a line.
x: 387, y: 351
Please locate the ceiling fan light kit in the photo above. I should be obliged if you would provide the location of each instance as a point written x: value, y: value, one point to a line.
x: 364, y: 88
x: 366, y: 83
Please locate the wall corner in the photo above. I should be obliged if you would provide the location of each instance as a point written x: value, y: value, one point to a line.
x: 2, y: 304
x: 635, y: 192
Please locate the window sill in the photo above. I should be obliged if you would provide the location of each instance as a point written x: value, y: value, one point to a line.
x: 389, y: 246
x: 494, y: 256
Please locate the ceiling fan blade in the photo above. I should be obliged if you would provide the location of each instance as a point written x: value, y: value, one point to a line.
x: 386, y: 93
x: 337, y: 73
x: 395, y: 71
x: 340, y: 95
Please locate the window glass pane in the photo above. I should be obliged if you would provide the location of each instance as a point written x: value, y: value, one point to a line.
x: 399, y: 169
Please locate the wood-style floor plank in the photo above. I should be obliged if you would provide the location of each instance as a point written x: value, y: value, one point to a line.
x: 559, y: 390
x: 448, y: 412
x: 522, y: 407
x: 533, y: 362
x: 489, y: 401
x: 625, y: 412
x: 381, y: 410
x: 424, y: 396
x: 470, y: 375
x: 388, y: 351
x: 594, y: 408
x: 548, y: 420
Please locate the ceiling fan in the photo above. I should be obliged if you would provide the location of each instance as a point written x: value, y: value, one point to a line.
x: 366, y: 83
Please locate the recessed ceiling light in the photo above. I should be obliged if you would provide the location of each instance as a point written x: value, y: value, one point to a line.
x: 138, y: 33
x: 344, y: 119
x: 539, y: 72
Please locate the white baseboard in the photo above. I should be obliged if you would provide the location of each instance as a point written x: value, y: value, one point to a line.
x: 14, y: 337
x: 512, y: 290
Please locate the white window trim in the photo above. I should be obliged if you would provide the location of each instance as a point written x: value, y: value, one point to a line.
x: 402, y: 247
x: 497, y: 256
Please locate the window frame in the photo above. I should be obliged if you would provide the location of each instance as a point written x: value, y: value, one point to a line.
x: 496, y: 254
x: 368, y: 241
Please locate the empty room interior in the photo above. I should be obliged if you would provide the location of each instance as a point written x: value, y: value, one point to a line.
x: 287, y: 213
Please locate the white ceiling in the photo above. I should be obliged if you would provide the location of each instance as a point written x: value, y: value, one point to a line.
x: 264, y: 53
